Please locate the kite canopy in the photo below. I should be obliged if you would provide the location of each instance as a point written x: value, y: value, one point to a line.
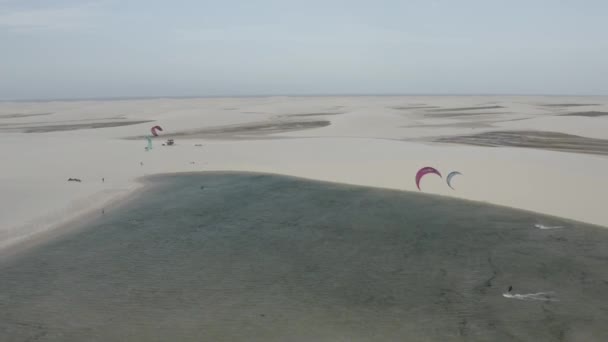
x: 425, y: 171
x: 450, y: 176
x: 155, y: 130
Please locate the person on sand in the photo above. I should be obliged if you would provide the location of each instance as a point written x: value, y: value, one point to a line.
x: 510, y: 288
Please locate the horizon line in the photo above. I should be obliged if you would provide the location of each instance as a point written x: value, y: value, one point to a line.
x: 154, y: 97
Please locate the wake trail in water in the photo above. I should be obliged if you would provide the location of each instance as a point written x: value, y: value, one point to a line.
x: 539, y: 296
x: 540, y: 226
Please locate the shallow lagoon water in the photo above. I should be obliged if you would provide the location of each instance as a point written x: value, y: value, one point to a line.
x: 254, y: 257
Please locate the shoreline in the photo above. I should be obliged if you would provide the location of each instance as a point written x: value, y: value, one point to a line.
x: 148, y: 182
x: 22, y: 245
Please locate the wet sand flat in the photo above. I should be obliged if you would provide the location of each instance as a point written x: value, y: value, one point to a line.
x: 461, y: 114
x: 532, y: 139
x: 249, y: 130
x: 315, y: 114
x: 465, y: 108
x: 67, y: 127
x: 18, y: 115
x: 254, y: 257
x: 590, y: 114
x: 413, y: 107
x: 565, y: 105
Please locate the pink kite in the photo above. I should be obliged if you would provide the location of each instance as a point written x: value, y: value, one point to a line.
x: 424, y: 171
x: 155, y: 129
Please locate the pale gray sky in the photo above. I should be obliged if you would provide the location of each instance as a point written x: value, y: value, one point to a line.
x: 112, y: 48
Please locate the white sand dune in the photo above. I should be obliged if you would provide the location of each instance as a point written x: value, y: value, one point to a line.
x: 374, y: 141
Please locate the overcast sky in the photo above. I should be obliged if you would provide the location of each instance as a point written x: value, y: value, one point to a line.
x: 119, y: 48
